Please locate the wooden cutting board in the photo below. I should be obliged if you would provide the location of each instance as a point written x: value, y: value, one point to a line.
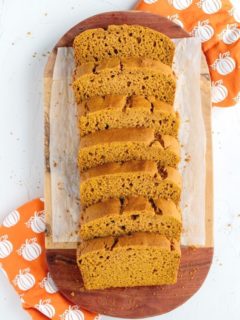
x: 61, y: 257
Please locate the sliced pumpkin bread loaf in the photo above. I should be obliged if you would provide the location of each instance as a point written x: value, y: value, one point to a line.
x: 131, y: 178
x: 117, y: 217
x: 117, y: 111
x: 125, y: 76
x: 123, y: 40
x: 126, y: 144
x: 131, y: 260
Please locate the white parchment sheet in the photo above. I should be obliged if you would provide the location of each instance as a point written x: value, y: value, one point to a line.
x: 64, y: 142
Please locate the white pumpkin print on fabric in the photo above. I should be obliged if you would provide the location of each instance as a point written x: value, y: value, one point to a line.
x: 48, y: 284
x: 235, y: 13
x: 46, y: 308
x: 231, y: 34
x: 11, y: 219
x: 219, y: 91
x: 24, y: 280
x: 37, y: 222
x: 224, y: 64
x: 6, y: 247
x: 150, y: 1
x: 30, y: 250
x: 237, y: 98
x: 210, y: 6
x: 175, y: 18
x: 180, y: 4
x: 72, y: 313
x: 203, y: 31
x: 3, y: 271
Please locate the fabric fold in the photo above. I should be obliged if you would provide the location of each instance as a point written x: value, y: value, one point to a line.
x: 23, y: 262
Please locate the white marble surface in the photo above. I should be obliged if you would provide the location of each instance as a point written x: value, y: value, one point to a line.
x: 28, y: 30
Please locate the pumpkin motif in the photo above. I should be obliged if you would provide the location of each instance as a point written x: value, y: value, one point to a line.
x: 37, y: 222
x: 72, y: 313
x: 30, y: 250
x: 46, y: 308
x: 24, y: 280
x: 203, y: 31
x: 210, y: 6
x: 231, y: 34
x: 180, y: 4
x: 219, y: 91
x: 175, y: 18
x: 3, y: 271
x: 235, y: 12
x: 6, y: 247
x: 11, y: 219
x: 237, y: 98
x: 48, y: 284
x: 150, y: 1
x: 224, y: 64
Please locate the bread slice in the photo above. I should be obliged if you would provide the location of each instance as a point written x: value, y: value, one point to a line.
x: 116, y: 111
x: 125, y: 76
x: 132, y: 178
x: 123, y: 40
x: 117, y: 217
x: 140, y: 259
x: 126, y: 144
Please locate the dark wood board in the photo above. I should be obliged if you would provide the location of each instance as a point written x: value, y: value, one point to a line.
x: 137, y: 302
x: 128, y: 302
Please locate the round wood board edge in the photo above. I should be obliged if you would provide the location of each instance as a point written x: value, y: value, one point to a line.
x: 195, y: 263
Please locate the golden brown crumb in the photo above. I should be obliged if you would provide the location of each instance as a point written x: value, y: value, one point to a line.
x: 104, y: 262
x: 127, y: 144
x: 188, y: 158
x: 118, y: 111
x: 124, y: 76
x: 122, y: 216
x: 124, y: 41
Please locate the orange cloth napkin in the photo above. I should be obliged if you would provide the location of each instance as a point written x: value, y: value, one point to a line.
x: 22, y: 260
x: 217, y: 24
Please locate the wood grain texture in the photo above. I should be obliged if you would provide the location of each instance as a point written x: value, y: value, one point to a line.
x: 137, y: 302
x: 103, y: 20
x: 142, y: 301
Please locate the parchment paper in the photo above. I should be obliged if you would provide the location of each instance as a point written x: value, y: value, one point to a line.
x: 64, y: 141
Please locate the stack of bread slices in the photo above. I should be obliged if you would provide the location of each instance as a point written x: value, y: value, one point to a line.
x: 129, y: 152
